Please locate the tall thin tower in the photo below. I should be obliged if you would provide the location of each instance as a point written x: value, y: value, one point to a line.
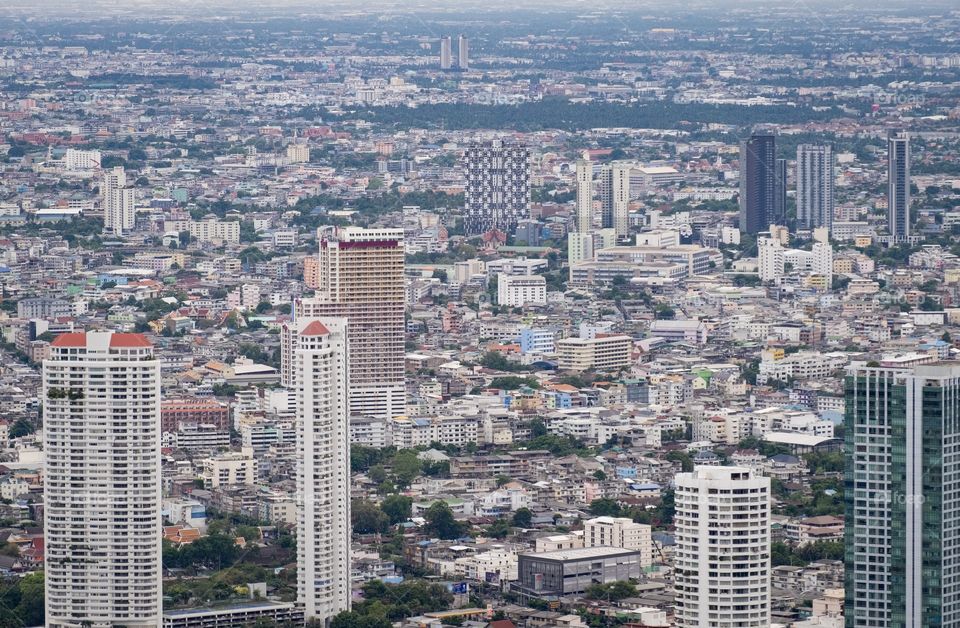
x: 101, y: 437
x: 615, y: 198
x: 320, y: 373
x: 463, y: 52
x: 446, y: 53
x: 758, y: 183
x: 898, y: 185
x: 722, y: 556
x: 360, y: 276
x: 815, y: 194
x: 584, y: 194
x: 119, y: 212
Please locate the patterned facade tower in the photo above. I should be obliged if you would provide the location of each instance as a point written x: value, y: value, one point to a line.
x: 497, y: 193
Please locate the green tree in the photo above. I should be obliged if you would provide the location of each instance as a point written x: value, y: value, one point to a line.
x: 398, y: 508
x: 604, y: 507
x: 522, y: 518
x: 441, y: 523
x: 367, y: 518
x: 406, y: 467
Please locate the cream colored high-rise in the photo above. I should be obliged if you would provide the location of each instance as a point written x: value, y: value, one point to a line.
x: 584, y: 207
x: 119, y: 211
x: 360, y: 276
x: 320, y: 373
x: 615, y: 198
x: 722, y: 554
x: 101, y: 438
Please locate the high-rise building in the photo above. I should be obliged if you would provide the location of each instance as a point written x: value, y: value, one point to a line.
x: 584, y: 208
x: 815, y: 197
x: 360, y: 276
x: 780, y: 193
x: 722, y: 555
x: 101, y: 438
x: 463, y: 52
x: 497, y: 192
x: 119, y: 211
x: 615, y: 198
x: 446, y: 53
x: 902, y: 497
x: 320, y: 375
x: 758, y: 185
x: 898, y: 185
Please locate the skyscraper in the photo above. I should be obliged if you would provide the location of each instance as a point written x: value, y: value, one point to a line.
x: 815, y: 198
x: 360, y: 275
x: 584, y: 206
x: 119, y: 212
x: 320, y: 374
x: 722, y: 555
x: 902, y: 495
x: 615, y: 198
x: 757, y: 183
x: 497, y: 192
x: 101, y: 438
x: 463, y: 52
x: 446, y: 53
x: 780, y: 193
x: 898, y: 185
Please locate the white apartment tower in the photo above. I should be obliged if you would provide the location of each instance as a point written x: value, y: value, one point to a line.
x: 320, y: 374
x: 463, y: 52
x: 615, y: 198
x: 360, y: 278
x: 584, y: 209
x: 446, y: 53
x: 101, y: 437
x: 119, y: 212
x: 722, y: 556
x: 815, y: 194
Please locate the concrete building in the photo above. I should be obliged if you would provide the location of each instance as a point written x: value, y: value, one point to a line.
x: 101, y: 438
x: 228, y: 469
x: 620, y: 532
x: 463, y: 52
x: 497, y: 190
x: 722, y: 554
x: 239, y: 615
x: 320, y: 368
x: 446, y: 53
x: 361, y: 279
x: 584, y: 207
x: 549, y: 575
x: 517, y: 291
x: 615, y: 198
x: 603, y: 353
x: 815, y: 193
x: 898, y: 185
x: 119, y: 212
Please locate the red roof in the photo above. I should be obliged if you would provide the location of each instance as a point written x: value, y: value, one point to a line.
x: 79, y: 339
x: 129, y: 340
x: 316, y: 328
x: 72, y: 339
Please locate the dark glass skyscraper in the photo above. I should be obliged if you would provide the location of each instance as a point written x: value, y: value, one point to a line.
x: 902, y: 492
x: 758, y: 187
